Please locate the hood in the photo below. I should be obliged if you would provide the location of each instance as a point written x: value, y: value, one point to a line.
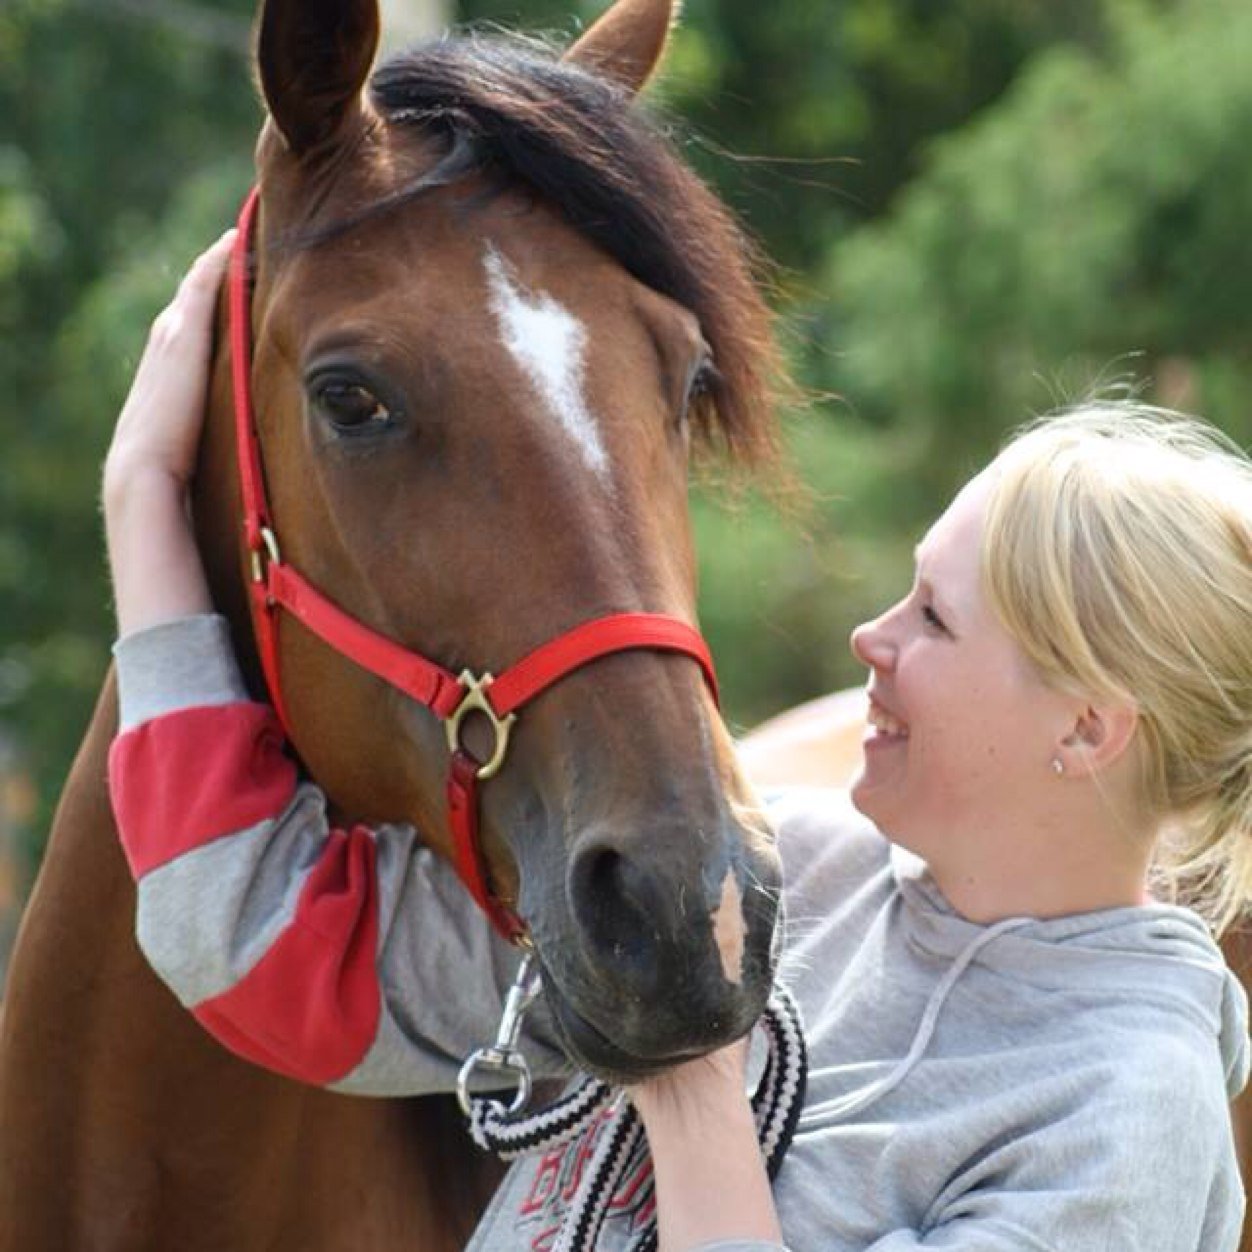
x: 1152, y: 953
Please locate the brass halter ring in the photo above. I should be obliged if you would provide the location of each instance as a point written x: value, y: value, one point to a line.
x: 475, y: 701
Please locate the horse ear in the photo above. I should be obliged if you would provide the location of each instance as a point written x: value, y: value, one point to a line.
x: 627, y: 43
x: 313, y: 57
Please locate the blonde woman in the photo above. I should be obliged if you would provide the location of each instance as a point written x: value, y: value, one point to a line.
x: 1014, y: 1045
x: 1018, y: 1038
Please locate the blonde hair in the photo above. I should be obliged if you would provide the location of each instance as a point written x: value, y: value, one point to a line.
x: 1118, y: 553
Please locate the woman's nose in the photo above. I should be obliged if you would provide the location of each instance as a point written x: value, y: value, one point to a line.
x: 870, y: 644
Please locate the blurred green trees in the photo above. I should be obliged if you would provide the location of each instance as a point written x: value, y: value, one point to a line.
x: 1094, y: 225
x: 1088, y: 231
x: 980, y: 207
x: 111, y: 122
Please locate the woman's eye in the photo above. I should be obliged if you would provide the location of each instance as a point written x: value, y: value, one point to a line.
x: 932, y: 619
x: 351, y: 406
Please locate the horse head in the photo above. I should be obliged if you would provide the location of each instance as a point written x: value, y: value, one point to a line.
x: 492, y: 311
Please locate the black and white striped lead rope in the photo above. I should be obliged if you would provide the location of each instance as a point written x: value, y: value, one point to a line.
x: 776, y: 1106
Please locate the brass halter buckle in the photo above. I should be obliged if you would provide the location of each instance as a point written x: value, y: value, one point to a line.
x: 475, y: 701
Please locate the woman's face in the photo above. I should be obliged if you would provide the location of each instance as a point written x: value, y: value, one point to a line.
x: 962, y: 730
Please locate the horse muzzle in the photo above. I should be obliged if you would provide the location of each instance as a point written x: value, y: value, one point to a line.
x: 661, y: 949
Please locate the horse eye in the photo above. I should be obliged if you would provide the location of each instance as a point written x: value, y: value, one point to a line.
x: 703, y: 378
x: 350, y: 406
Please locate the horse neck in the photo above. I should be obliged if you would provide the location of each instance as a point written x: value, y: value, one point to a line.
x: 83, y: 898
x: 74, y: 965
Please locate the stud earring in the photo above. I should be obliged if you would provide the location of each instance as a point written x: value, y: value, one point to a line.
x: 1058, y: 766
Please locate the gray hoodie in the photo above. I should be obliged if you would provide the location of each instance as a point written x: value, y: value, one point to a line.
x: 1057, y: 1085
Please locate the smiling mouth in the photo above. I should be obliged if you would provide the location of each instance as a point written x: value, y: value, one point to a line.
x: 884, y: 725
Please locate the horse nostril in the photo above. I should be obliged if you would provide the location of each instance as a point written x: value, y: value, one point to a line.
x: 617, y: 908
x: 663, y: 951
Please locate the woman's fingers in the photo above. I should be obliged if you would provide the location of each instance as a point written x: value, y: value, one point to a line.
x: 160, y: 423
x: 194, y: 300
x: 203, y: 279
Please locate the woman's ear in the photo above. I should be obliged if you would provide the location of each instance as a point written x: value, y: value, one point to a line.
x: 1100, y: 735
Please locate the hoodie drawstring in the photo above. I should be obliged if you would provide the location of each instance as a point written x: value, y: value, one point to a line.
x: 854, y: 1102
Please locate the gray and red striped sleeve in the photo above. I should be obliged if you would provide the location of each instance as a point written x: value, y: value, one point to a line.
x: 347, y: 958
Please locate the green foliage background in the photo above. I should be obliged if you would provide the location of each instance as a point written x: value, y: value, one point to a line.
x: 979, y: 209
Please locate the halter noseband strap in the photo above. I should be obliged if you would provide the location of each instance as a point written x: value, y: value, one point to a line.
x: 276, y: 586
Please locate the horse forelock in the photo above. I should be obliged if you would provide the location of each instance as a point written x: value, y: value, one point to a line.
x: 511, y: 111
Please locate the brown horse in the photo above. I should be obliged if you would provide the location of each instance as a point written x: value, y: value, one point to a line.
x: 818, y: 744
x: 491, y: 310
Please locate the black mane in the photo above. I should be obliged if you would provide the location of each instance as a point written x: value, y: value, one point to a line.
x: 584, y: 145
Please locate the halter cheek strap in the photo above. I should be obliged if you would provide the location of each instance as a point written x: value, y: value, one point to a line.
x: 276, y: 587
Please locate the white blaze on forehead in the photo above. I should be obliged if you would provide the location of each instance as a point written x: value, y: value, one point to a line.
x: 729, y: 928
x: 547, y: 341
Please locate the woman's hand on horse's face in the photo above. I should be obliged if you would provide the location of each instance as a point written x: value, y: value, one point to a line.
x: 157, y: 575
x: 160, y: 423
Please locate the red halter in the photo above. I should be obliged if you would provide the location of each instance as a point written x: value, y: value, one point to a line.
x: 276, y: 586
